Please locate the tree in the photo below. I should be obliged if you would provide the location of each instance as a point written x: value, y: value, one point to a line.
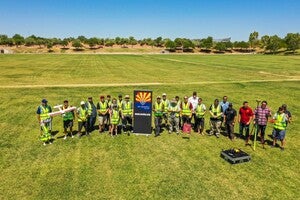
x: 158, y: 42
x: 178, y: 42
x: 77, y: 44
x: 132, y: 41
x: 220, y: 46
x: 207, y: 43
x: 264, y: 41
x: 292, y: 41
x: 82, y: 39
x: 169, y: 44
x: 274, y: 43
x: 92, y: 42
x: 3, y: 39
x: 109, y: 42
x: 49, y: 46
x: 30, y: 41
x: 18, y: 39
x: 253, y: 39
x: 187, y: 44
x: 64, y: 42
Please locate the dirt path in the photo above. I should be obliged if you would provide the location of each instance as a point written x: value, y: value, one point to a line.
x: 145, y: 84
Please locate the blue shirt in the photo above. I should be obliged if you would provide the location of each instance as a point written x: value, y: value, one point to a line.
x: 224, y: 105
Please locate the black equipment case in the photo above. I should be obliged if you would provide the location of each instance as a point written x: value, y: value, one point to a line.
x: 235, y: 156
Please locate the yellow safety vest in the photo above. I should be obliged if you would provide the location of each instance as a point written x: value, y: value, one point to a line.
x: 186, y: 109
x: 82, y: 114
x: 89, y: 107
x: 120, y: 104
x: 115, y: 117
x: 175, y: 109
x: 44, y: 112
x: 166, y: 104
x: 158, y: 109
x: 103, y: 106
x: 216, y: 110
x: 127, y: 108
x: 200, y: 111
x: 280, y: 122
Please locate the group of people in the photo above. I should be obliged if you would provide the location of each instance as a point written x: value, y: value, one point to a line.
x: 116, y: 115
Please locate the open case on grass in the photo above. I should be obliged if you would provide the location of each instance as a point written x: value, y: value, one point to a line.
x: 235, y: 156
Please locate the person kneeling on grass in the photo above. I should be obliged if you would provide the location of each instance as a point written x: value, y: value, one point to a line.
x: 280, y: 119
x: 114, y: 119
x: 82, y: 114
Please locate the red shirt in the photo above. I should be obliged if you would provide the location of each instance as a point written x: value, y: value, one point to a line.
x: 246, y: 114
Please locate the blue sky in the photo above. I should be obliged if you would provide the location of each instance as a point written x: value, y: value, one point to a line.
x: 149, y: 18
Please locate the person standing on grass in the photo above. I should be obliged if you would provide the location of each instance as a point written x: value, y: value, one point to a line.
x: 280, y: 120
x: 102, y: 108
x: 288, y: 113
x: 174, y: 111
x: 199, y: 113
x: 230, y: 116
x: 120, y: 101
x: 224, y: 104
x: 127, y: 112
x: 44, y: 121
x: 261, y: 115
x: 179, y: 106
x: 82, y: 114
x: 216, y: 113
x: 68, y: 120
x: 158, y: 109
x: 193, y: 100
x: 186, y: 111
x: 109, y: 103
x: 166, y: 103
x: 114, y: 118
x: 92, y: 114
x: 245, y: 118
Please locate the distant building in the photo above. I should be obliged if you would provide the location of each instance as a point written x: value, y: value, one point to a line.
x: 222, y: 40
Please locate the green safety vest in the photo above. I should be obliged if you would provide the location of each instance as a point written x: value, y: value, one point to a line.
x: 120, y: 104
x: 108, y: 103
x: 280, y: 122
x: 127, y: 108
x: 67, y: 115
x: 82, y: 113
x: 200, y: 111
x: 166, y: 104
x: 158, y: 109
x: 186, y: 109
x: 216, y: 110
x: 115, y: 117
x: 44, y: 112
x: 103, y: 106
x: 89, y: 107
x: 174, y: 109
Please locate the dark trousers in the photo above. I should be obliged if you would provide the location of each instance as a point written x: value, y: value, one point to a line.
x: 230, y: 130
x: 90, y: 123
x: 127, y: 123
x: 157, y: 122
x: 242, y: 127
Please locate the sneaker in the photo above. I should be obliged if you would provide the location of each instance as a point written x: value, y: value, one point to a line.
x: 72, y: 136
x: 50, y: 142
x: 65, y: 137
x: 217, y: 135
x: 170, y: 132
x: 44, y: 143
x: 177, y: 132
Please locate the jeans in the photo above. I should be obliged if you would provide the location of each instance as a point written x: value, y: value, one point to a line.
x: 157, y: 122
x: 242, y: 127
x: 90, y: 123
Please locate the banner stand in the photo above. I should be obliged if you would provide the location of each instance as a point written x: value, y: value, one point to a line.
x: 142, y: 112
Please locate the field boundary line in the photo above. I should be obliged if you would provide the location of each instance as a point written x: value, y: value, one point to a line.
x: 145, y: 84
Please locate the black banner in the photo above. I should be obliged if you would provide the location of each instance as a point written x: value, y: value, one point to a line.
x: 142, y: 111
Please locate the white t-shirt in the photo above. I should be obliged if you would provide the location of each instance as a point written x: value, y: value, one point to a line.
x: 193, y: 101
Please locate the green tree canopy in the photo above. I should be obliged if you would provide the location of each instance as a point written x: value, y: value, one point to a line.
x: 77, y: 44
x: 253, y: 39
x: 292, y: 41
x: 274, y: 44
x: 18, y: 39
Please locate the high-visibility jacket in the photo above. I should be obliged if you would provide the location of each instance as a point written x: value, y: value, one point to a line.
x: 120, y: 104
x: 108, y: 103
x: 115, y: 117
x: 45, y: 110
x: 103, y: 106
x: 67, y: 115
x: 82, y: 114
x: 280, y: 121
x: 174, y: 109
x: 216, y: 111
x: 186, y: 109
x: 89, y: 108
x: 158, y: 109
x: 166, y: 104
x: 200, y: 111
x: 127, y: 108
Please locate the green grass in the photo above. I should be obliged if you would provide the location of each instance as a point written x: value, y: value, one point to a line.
x: 138, y: 167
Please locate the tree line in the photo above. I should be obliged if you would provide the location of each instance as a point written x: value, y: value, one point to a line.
x: 291, y: 42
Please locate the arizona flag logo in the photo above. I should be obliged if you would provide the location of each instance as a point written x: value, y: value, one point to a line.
x: 143, y: 97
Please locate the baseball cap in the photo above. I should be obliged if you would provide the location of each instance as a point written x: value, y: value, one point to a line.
x: 101, y: 97
x: 44, y: 101
x: 158, y: 97
x: 82, y: 103
x: 126, y: 96
x: 164, y: 94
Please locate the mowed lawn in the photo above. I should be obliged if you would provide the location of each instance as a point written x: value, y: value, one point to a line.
x: 140, y: 167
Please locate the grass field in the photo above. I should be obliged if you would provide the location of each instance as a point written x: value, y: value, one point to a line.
x: 138, y: 167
